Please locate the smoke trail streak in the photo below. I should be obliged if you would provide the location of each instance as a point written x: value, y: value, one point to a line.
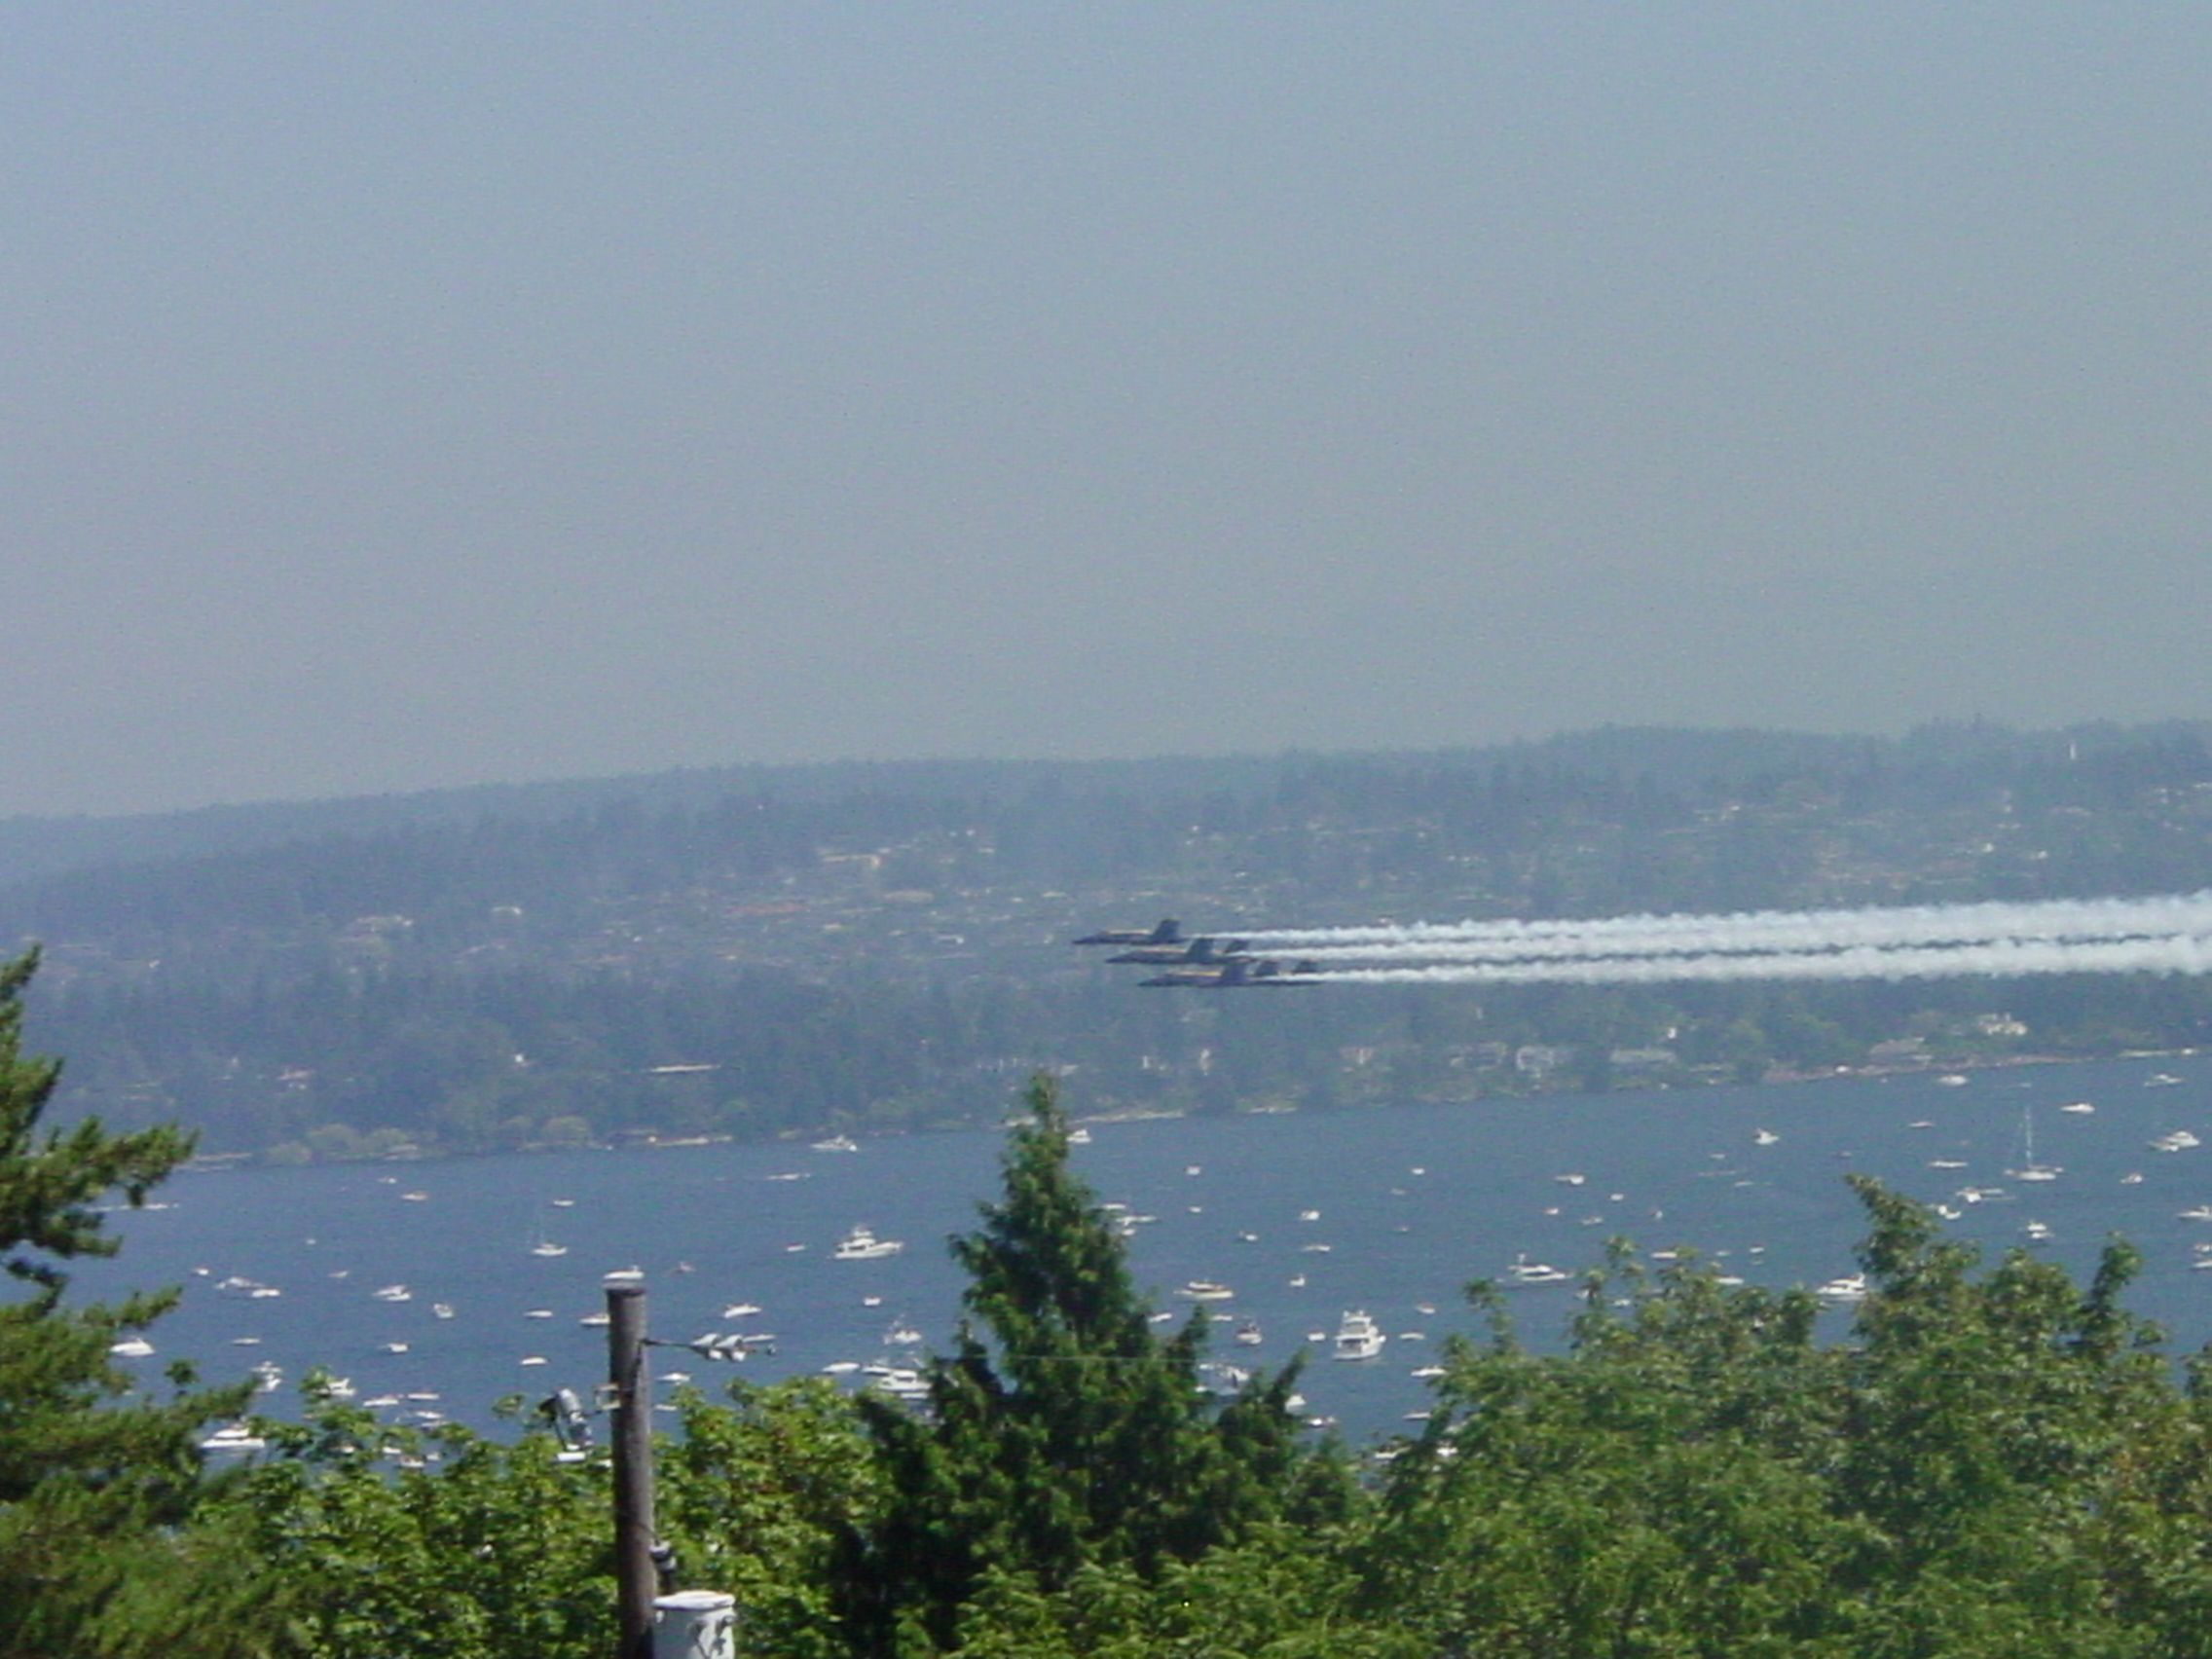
x: 2181, y: 953
x: 2050, y: 921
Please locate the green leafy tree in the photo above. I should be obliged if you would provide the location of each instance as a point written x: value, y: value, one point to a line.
x: 96, y: 1481
x: 380, y: 1540
x: 758, y: 1496
x: 1075, y: 1439
x: 1999, y: 1462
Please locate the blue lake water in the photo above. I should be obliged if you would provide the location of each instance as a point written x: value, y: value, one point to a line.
x: 1410, y: 1203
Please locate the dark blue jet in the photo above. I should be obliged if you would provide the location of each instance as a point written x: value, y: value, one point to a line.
x: 1168, y: 932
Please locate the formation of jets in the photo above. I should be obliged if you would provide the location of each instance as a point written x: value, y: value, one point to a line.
x: 1201, y: 964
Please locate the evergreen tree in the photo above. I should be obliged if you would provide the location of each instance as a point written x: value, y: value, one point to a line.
x: 92, y: 1485
x: 1075, y: 1437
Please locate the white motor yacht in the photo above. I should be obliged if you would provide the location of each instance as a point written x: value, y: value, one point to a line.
x: 863, y: 1245
x: 1358, y: 1336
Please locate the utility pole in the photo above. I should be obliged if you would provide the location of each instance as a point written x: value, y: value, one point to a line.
x: 631, y: 1391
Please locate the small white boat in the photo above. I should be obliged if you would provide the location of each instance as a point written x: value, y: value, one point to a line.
x: 1249, y: 1333
x: 902, y: 1383
x: 1205, y: 1290
x: 546, y: 1247
x: 863, y: 1245
x: 2179, y: 1140
x: 442, y: 1310
x: 537, y: 1314
x: 741, y: 1311
x: 1523, y: 1271
x: 234, y: 1437
x: 1358, y: 1336
x: 395, y: 1348
x: 131, y: 1348
x: 1852, y: 1288
x: 623, y: 1275
x: 2030, y: 1169
x: 2080, y: 1108
x: 835, y: 1143
x: 393, y: 1293
x: 1764, y: 1137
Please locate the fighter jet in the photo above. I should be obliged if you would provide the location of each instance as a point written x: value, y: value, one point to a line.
x: 1168, y: 932
x: 1199, y: 952
x: 1238, y: 972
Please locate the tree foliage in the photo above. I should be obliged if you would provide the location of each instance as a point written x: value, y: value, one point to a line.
x: 95, y: 1479
x: 1989, y: 1467
x: 1062, y: 1435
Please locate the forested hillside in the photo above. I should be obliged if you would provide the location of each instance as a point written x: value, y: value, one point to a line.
x: 767, y: 951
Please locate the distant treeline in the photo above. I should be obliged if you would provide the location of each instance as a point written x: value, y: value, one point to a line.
x: 775, y: 950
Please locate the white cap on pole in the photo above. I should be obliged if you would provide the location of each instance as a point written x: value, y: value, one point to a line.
x: 694, y: 1624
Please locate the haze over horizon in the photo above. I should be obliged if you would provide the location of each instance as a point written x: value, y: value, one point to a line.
x: 419, y: 397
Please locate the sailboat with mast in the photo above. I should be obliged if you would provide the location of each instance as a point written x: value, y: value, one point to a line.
x: 2030, y: 1169
x: 542, y: 1245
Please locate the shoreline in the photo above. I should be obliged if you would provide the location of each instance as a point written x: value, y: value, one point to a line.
x: 220, y: 1163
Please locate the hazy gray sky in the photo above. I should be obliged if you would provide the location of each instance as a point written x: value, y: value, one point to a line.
x: 418, y: 393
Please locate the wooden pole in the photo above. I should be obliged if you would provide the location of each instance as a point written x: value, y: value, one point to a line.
x: 636, y: 1583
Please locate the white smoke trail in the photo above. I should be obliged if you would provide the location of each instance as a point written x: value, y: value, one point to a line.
x: 1766, y: 931
x: 2185, y: 953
